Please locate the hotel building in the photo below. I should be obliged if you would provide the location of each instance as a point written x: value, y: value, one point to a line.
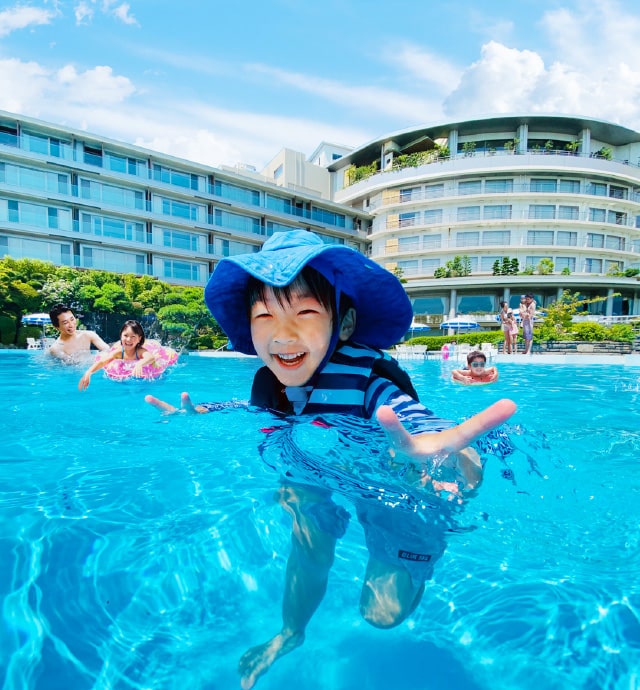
x: 80, y: 200
x: 455, y: 209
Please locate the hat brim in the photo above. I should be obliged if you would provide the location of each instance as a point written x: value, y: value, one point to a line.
x: 383, y: 309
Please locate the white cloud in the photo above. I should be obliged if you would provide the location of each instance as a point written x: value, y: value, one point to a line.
x: 20, y: 17
x: 83, y: 13
x: 417, y: 62
x: 501, y: 81
x: 373, y: 99
x: 122, y: 13
x: 26, y: 87
x: 120, y: 10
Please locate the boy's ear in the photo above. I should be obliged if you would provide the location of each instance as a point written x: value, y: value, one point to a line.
x: 347, y: 325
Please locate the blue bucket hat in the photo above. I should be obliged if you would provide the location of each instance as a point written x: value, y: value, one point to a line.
x: 383, y: 310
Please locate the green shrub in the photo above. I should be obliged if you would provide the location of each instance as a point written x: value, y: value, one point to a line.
x: 620, y: 333
x: 588, y: 331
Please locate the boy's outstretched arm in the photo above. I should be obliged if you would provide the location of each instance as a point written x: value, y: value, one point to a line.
x: 166, y: 408
x: 454, y: 440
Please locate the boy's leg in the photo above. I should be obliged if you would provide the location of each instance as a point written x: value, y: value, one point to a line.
x: 317, y: 524
x: 403, y: 549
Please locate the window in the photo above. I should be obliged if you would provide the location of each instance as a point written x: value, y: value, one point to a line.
x: 276, y: 203
x: 487, y: 262
x: 568, y: 212
x: 470, y: 187
x: 597, y: 189
x: 323, y: 215
x: 14, y: 216
x: 597, y: 215
x: 430, y: 265
x: 182, y: 270
x: 180, y: 240
x: 614, y: 242
x: 542, y: 211
x: 277, y: 173
x: 540, y: 237
x: 179, y: 178
x: 469, y: 213
x: 407, y: 220
x: 616, y: 218
x: 235, y: 221
x: 277, y: 227
x: 595, y: 240
x: 409, y: 244
x: 241, y: 194
x: 467, y: 239
x: 92, y: 155
x: 409, y: 268
x: 613, y: 266
x: 533, y: 261
x: 432, y: 242
x: 181, y: 209
x: 433, y: 191
x: 498, y: 186
x: 497, y: 211
x: 570, y: 186
x: 617, y: 192
x: 492, y: 238
x: 563, y: 262
x: 543, y: 184
x: 566, y: 239
x: 593, y: 265
x: 433, y: 216
x: 409, y: 193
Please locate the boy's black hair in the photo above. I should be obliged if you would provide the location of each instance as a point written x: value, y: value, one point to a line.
x: 476, y: 354
x: 307, y: 280
x: 55, y: 311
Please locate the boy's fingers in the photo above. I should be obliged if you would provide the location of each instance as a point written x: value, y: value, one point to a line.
x: 160, y: 404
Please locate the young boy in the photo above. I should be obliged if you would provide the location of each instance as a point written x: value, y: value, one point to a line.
x: 72, y: 344
x: 318, y: 315
x: 476, y: 370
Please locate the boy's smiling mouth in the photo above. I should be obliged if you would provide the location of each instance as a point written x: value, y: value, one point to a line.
x: 290, y: 360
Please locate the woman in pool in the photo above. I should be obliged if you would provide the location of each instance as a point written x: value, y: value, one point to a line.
x: 476, y: 370
x: 129, y: 349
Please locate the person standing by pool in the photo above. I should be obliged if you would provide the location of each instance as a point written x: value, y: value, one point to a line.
x: 72, y: 344
x: 305, y: 308
x: 527, y: 314
x: 506, y: 321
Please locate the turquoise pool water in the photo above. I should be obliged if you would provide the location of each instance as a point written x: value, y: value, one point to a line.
x: 140, y: 551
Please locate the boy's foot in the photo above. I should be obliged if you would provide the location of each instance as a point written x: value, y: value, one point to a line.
x: 258, y: 660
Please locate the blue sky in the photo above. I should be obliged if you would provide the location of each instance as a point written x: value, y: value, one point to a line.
x: 225, y: 83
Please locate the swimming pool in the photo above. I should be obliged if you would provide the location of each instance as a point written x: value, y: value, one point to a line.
x: 141, y: 551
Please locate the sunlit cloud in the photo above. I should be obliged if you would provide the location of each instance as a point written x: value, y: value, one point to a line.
x: 21, y: 17
x: 415, y: 61
x: 371, y: 98
x: 83, y: 13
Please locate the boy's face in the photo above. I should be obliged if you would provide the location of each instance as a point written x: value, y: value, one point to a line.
x: 477, y: 367
x: 66, y: 323
x: 292, y: 338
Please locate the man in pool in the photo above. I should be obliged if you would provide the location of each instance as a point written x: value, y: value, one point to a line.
x: 318, y: 315
x: 72, y: 345
x: 476, y: 370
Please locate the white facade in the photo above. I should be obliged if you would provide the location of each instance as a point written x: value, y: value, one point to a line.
x: 529, y: 188
x: 80, y: 200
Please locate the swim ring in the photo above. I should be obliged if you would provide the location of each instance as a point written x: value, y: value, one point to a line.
x: 472, y: 383
x: 121, y: 369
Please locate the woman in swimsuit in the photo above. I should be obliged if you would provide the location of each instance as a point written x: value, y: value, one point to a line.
x: 129, y: 348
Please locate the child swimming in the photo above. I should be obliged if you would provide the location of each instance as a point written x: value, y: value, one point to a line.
x: 319, y: 316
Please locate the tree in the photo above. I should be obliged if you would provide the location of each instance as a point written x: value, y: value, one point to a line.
x: 545, y: 267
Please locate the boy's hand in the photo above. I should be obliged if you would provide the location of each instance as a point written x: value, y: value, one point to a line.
x: 166, y: 408
x: 423, y: 446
